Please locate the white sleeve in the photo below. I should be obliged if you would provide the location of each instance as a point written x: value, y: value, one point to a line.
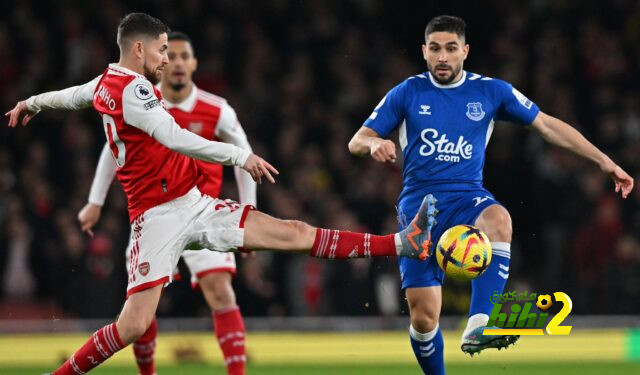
x: 72, y: 98
x: 229, y: 130
x: 105, y: 171
x: 142, y: 109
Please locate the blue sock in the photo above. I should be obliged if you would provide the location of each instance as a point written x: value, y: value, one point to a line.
x: 429, y: 350
x: 493, y: 280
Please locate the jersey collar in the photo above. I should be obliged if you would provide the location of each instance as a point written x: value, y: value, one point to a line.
x: 449, y: 86
x: 121, y: 70
x: 187, y: 104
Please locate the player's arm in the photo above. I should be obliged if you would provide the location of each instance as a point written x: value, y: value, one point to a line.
x: 367, y: 141
x: 70, y: 99
x: 149, y: 116
x: 105, y: 172
x: 229, y: 130
x: 561, y: 134
x: 386, y: 116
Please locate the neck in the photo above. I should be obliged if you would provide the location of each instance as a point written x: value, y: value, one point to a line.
x: 175, y: 96
x: 130, y: 64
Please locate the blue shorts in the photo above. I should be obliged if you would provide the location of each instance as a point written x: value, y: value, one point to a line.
x: 455, y: 207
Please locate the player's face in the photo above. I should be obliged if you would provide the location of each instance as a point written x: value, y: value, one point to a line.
x: 445, y: 53
x: 155, y: 58
x: 181, y: 65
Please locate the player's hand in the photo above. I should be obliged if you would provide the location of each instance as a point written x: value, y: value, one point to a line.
x: 258, y: 168
x: 383, y: 150
x: 88, y: 217
x: 20, y: 113
x: 624, y: 182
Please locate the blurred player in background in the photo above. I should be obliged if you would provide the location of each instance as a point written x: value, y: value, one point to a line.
x: 212, y: 118
x: 445, y: 118
x: 167, y: 211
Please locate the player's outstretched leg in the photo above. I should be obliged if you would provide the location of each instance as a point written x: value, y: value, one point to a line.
x: 144, y: 349
x: 263, y: 232
x: 496, y: 223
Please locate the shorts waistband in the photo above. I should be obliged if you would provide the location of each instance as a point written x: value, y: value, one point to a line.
x: 191, y: 197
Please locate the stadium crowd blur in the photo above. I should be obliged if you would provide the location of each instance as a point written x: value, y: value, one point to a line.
x: 302, y: 77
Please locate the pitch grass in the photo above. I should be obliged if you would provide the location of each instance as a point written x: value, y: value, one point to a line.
x: 565, y: 368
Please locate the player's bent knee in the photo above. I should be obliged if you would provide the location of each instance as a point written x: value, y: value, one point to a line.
x: 301, y: 234
x: 495, y: 221
x: 424, y: 321
x: 132, y: 329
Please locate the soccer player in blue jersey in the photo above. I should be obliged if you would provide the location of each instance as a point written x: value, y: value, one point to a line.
x: 445, y: 118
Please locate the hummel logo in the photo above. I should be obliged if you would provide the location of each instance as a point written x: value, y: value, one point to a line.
x: 425, y: 109
x: 480, y: 200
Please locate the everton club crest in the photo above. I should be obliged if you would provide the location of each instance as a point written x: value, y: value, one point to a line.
x: 474, y: 111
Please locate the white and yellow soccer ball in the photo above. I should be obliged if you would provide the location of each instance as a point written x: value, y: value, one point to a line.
x: 463, y: 252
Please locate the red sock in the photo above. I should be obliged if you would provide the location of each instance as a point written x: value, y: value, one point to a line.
x: 229, y: 329
x: 339, y: 244
x: 102, y: 345
x: 144, y: 348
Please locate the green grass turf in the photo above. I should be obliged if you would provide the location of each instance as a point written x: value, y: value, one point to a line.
x: 565, y: 368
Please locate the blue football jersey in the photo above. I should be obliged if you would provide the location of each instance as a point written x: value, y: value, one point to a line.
x: 444, y: 129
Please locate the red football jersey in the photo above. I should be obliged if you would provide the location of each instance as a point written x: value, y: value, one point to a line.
x: 200, y: 113
x: 150, y: 173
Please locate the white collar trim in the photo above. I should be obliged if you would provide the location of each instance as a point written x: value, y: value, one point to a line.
x: 187, y: 104
x: 122, y: 70
x: 451, y: 85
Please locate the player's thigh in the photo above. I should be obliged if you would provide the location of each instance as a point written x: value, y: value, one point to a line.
x: 424, y: 305
x: 495, y: 221
x: 266, y: 232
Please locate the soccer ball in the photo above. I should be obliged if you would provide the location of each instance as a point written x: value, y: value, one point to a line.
x: 463, y: 252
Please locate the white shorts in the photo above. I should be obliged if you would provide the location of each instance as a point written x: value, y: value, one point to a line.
x: 195, y: 221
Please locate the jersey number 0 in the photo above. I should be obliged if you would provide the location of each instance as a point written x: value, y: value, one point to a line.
x: 115, y: 143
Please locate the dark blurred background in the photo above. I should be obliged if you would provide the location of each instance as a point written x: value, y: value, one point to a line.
x: 303, y: 76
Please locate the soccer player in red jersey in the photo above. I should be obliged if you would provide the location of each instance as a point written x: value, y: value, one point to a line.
x: 168, y: 213
x: 211, y: 117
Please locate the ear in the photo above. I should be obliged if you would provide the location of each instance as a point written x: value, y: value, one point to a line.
x: 424, y: 52
x: 138, y: 49
x: 465, y: 49
x: 195, y: 64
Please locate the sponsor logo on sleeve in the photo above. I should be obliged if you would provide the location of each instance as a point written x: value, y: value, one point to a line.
x: 152, y: 103
x: 522, y: 99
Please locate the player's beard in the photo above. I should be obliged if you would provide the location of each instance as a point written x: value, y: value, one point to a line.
x: 152, y: 75
x: 454, y: 73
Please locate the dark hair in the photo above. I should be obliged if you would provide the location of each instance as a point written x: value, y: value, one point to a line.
x: 450, y: 24
x: 179, y: 35
x: 136, y: 24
